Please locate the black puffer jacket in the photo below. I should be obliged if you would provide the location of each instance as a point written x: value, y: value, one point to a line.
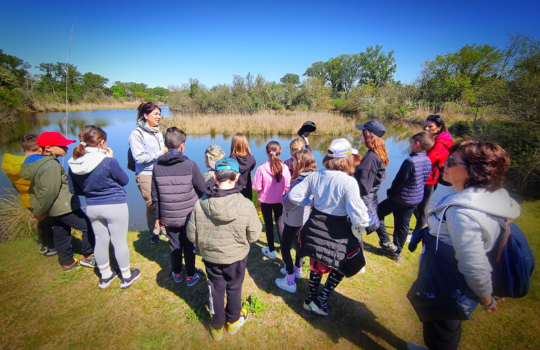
x: 246, y: 165
x: 370, y: 174
x: 177, y: 184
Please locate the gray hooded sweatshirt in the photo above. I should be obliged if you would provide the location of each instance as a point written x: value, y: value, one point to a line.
x: 473, y: 221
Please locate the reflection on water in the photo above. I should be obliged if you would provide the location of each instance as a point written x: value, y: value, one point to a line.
x: 119, y: 123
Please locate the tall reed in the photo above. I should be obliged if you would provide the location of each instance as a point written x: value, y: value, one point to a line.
x: 15, y: 219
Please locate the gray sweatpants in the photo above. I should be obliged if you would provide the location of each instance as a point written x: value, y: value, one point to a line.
x: 110, y: 223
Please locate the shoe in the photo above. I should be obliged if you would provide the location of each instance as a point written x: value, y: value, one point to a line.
x: 105, y: 282
x: 282, y: 283
x: 178, y: 277
x: 217, y: 334
x: 126, y: 282
x: 43, y: 250
x: 409, y: 237
x: 154, y: 239
x: 233, y: 328
x: 362, y: 270
x: 318, y: 308
x: 413, y: 346
x: 389, y: 246
x: 72, y: 266
x: 307, y: 302
x: 393, y: 256
x: 297, y: 273
x: 192, y: 280
x: 163, y: 234
x: 268, y: 253
x: 89, y: 261
x: 51, y: 252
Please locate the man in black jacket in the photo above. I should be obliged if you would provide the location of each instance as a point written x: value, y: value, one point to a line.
x: 177, y: 184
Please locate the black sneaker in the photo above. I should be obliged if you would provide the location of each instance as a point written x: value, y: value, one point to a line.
x: 126, y: 282
x: 154, y: 239
x: 389, y: 246
x: 394, y: 256
x: 105, y: 282
x: 89, y: 261
x: 72, y: 266
x: 43, y: 250
x: 319, y: 308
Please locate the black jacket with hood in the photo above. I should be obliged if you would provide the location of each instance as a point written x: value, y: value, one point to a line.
x: 246, y: 165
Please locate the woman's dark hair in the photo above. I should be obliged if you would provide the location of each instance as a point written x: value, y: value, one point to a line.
x: 91, y: 135
x: 439, y: 121
x: 275, y: 163
x: 486, y: 163
x: 146, y: 108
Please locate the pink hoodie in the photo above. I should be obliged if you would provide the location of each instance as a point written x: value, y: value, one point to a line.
x: 271, y: 191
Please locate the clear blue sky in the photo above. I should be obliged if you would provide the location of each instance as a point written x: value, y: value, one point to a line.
x: 166, y: 42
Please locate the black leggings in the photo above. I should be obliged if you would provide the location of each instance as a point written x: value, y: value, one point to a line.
x: 421, y: 211
x: 266, y: 210
x: 290, y: 234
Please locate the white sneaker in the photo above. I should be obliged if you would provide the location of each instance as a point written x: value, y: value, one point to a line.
x: 362, y: 270
x: 297, y: 273
x: 268, y: 253
x: 282, y: 283
x: 409, y: 236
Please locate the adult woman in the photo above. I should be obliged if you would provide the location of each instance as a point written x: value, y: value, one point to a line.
x: 146, y: 143
x: 337, y: 205
x: 372, y: 171
x: 437, y: 154
x: 96, y: 175
x: 462, y: 229
x: 246, y: 162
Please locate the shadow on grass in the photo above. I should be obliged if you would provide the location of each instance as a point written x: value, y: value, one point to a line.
x: 349, y: 319
x: 196, y: 297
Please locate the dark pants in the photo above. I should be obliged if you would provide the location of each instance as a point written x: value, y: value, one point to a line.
x: 421, y: 210
x: 45, y: 233
x: 442, y: 335
x: 402, y: 218
x: 266, y: 210
x: 179, y: 242
x: 62, y: 225
x: 290, y: 235
x: 225, y: 278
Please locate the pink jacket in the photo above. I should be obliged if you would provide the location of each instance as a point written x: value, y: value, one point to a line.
x: 271, y: 191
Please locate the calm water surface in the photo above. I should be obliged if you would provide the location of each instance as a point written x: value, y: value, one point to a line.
x: 119, y: 123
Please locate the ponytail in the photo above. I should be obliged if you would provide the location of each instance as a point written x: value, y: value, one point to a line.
x: 273, y: 149
x: 90, y: 136
x: 79, y: 151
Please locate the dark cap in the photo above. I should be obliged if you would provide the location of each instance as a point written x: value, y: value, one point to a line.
x: 375, y: 127
x: 307, y: 129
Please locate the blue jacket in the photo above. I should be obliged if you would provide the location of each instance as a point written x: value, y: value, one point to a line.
x: 98, y: 178
x: 408, y: 186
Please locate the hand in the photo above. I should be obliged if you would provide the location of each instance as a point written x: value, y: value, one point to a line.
x: 109, y: 152
x: 159, y: 223
x: 487, y: 301
x: 165, y: 150
x: 305, y: 140
x: 38, y: 218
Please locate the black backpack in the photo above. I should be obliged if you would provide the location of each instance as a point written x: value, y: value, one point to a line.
x: 130, y: 159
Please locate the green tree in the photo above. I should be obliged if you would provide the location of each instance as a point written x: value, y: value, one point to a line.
x: 376, y: 66
x: 290, y: 78
x: 16, y: 66
x: 91, y: 81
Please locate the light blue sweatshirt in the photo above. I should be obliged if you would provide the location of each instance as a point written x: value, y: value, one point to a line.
x: 146, y: 148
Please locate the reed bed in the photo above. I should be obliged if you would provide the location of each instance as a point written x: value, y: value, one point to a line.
x: 15, y: 220
x: 261, y: 123
x: 84, y: 106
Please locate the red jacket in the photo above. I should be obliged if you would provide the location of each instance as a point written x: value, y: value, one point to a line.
x: 439, y: 152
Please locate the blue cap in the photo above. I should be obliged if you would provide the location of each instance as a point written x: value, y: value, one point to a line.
x: 374, y: 126
x: 227, y: 164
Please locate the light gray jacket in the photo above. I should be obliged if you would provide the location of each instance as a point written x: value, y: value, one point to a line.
x: 474, y: 220
x: 295, y: 215
x: 146, y: 148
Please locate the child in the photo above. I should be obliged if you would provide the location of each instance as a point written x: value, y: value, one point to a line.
x: 224, y: 237
x: 95, y: 174
x: 177, y: 184
x: 241, y: 153
x: 295, y: 146
x: 50, y: 197
x: 294, y: 218
x: 272, y: 181
x: 11, y: 165
x: 211, y: 155
x: 406, y: 192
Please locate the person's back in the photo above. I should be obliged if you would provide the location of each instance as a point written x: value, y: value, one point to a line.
x: 411, y: 190
x: 11, y: 165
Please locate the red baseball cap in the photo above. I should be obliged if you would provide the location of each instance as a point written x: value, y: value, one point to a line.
x: 52, y: 138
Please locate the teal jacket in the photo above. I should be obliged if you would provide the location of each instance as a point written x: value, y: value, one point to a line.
x: 49, y: 189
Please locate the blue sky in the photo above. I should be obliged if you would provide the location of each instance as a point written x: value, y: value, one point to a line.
x: 167, y: 42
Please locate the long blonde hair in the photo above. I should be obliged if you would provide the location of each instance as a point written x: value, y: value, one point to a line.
x: 239, y: 146
x: 305, y: 162
x: 376, y: 144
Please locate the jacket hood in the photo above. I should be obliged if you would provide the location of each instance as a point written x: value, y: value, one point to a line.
x: 12, y: 164
x: 212, y: 190
x: 172, y: 158
x: 29, y: 170
x: 224, y: 209
x: 87, y: 163
x: 496, y: 203
x: 445, y: 138
x: 244, y: 161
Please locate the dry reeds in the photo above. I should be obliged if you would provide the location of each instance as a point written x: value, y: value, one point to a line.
x: 43, y: 106
x: 15, y: 220
x: 262, y: 123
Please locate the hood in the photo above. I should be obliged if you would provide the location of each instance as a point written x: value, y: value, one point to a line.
x: 212, y: 190
x: 445, y: 138
x: 32, y: 158
x: 12, y: 164
x: 172, y: 158
x: 244, y: 161
x: 496, y: 203
x: 87, y: 163
x: 29, y: 170
x: 224, y: 209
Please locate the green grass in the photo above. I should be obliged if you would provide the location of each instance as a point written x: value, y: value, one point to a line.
x: 43, y: 307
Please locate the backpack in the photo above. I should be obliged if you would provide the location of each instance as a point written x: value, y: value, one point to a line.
x: 512, y: 263
x: 130, y: 159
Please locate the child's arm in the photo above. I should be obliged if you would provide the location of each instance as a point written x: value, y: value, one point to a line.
x: 355, y: 206
x: 192, y: 226
x: 257, y: 180
x: 50, y: 182
x: 401, y: 178
x: 254, y: 228
x: 117, y: 173
x: 139, y: 152
x: 365, y: 176
x: 286, y: 178
x: 74, y: 186
x: 301, y: 193
x: 198, y: 180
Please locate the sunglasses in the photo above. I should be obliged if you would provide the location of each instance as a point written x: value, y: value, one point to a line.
x: 452, y: 162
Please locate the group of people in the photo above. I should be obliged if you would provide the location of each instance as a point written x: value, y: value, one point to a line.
x: 323, y: 212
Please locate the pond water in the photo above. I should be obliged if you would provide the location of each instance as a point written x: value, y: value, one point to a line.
x: 119, y: 123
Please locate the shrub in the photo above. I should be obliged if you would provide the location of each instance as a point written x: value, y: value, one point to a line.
x: 14, y: 219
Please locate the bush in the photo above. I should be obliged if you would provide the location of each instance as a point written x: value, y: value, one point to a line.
x: 14, y: 219
x: 345, y: 106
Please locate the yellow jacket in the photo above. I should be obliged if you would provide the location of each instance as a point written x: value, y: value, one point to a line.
x: 11, y: 165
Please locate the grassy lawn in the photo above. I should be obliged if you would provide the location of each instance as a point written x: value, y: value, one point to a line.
x: 43, y: 307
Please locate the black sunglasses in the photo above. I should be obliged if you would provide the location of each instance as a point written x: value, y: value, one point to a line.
x: 452, y: 162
